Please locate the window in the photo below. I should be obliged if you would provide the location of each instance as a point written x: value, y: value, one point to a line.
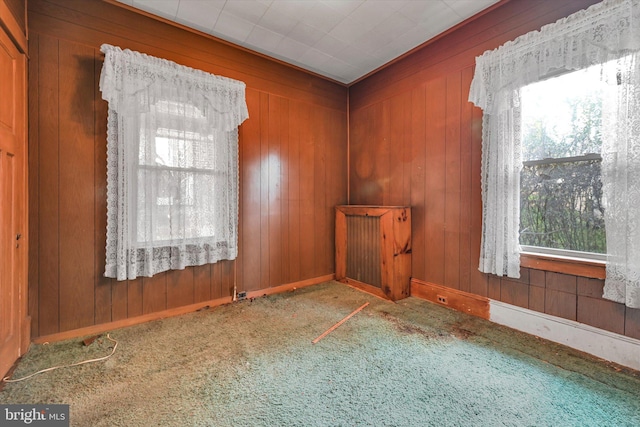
x: 172, y: 164
x: 187, y: 174
x: 561, y: 203
x: 606, y: 35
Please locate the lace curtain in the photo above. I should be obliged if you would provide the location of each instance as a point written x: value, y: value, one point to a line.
x: 501, y: 166
x: 172, y: 164
x: 621, y: 184
x: 605, y: 32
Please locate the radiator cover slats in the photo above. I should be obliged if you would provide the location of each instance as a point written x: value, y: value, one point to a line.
x: 373, y: 249
x: 364, y: 252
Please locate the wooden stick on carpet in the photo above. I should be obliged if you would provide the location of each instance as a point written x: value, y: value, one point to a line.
x: 334, y: 327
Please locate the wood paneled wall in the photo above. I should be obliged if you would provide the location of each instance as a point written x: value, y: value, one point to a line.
x: 567, y: 296
x: 293, y: 152
x: 415, y: 140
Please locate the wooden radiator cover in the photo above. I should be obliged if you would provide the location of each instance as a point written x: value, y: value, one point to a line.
x: 373, y: 249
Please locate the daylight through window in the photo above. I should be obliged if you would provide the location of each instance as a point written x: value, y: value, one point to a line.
x: 187, y: 172
x: 561, y: 206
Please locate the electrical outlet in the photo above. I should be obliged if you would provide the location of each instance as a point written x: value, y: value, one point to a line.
x: 242, y: 295
x: 442, y: 300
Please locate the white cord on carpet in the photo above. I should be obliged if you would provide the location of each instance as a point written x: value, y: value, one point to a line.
x: 7, y: 380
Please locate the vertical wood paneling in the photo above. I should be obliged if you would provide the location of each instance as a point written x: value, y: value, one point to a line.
x: 466, y: 180
x: 397, y: 164
x: 318, y: 200
x: 284, y: 161
x: 202, y: 283
x: 48, y: 162
x: 34, y: 184
x: 395, y: 142
x: 452, y: 183
x: 250, y: 193
x: 493, y: 288
x: 264, y: 192
x: 207, y: 282
x: 134, y: 297
x: 180, y: 289
x: 406, y: 99
x: 228, y: 278
x: 292, y: 158
x: 382, y: 158
x: 214, y: 275
x: 601, y: 314
x: 366, y: 174
x: 154, y: 293
x: 435, y: 196
x: 274, y: 162
x: 294, y: 196
x: 632, y: 323
x: 119, y: 299
x: 418, y: 179
x: 307, y: 196
x: 360, y: 166
x: 336, y: 178
x: 76, y: 238
x: 514, y: 293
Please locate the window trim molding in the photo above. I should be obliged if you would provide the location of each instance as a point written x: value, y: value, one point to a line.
x: 564, y: 264
x: 564, y: 253
x: 554, y: 160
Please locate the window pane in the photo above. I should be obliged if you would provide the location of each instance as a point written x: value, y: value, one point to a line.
x: 182, y: 177
x: 560, y: 206
x: 185, y: 149
x: 562, y: 116
x: 561, y: 189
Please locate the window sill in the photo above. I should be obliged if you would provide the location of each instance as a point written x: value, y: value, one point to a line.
x: 566, y: 265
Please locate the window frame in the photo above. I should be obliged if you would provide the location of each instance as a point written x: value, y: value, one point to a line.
x: 563, y: 264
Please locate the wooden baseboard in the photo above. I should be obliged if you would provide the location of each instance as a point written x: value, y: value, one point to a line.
x: 365, y: 287
x: 105, y: 327
x: 290, y: 286
x: 452, y: 298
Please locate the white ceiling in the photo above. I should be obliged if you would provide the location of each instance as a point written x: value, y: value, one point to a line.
x: 340, y: 39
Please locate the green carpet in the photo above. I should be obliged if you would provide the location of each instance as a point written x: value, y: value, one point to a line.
x: 252, y: 363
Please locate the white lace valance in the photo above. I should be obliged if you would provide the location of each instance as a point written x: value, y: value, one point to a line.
x: 603, y: 32
x: 131, y: 78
